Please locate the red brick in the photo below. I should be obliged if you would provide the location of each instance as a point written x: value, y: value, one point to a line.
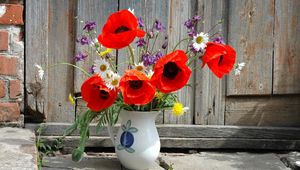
x: 9, y: 112
x: 14, y: 88
x: 8, y: 65
x: 3, y: 40
x: 2, y: 88
x: 13, y: 14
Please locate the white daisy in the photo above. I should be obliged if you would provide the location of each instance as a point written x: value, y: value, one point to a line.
x: 113, y: 82
x: 40, y: 71
x: 101, y: 67
x: 140, y: 67
x: 238, y: 68
x: 131, y: 10
x: 199, y: 41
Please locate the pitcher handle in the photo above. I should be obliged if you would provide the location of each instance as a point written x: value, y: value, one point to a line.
x: 111, y: 133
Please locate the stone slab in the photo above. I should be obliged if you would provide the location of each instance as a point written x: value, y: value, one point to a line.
x: 99, y: 162
x: 17, y: 149
x: 224, y: 161
x: 291, y: 160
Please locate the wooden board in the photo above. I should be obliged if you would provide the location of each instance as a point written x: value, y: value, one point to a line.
x: 210, y: 90
x: 60, y: 49
x: 287, y: 47
x: 49, y: 39
x: 192, y: 143
x: 179, y: 12
x: 187, y: 131
x: 263, y: 111
x: 91, y: 10
x: 250, y: 32
x: 36, y: 41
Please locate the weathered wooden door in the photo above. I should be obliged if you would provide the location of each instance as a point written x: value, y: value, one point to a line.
x: 264, y: 33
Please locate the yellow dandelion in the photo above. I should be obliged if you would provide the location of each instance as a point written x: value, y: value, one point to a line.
x: 107, y: 51
x: 178, y: 109
x: 159, y: 95
x: 71, y: 100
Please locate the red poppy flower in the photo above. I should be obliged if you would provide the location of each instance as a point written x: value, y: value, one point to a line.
x: 171, y: 72
x: 96, y: 94
x: 136, y: 88
x: 220, y: 58
x: 120, y: 30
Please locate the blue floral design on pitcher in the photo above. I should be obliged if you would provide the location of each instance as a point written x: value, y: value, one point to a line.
x: 127, y: 138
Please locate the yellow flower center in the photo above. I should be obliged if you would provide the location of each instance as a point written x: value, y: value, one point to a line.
x: 178, y: 109
x: 139, y: 68
x: 115, y: 82
x: 103, y: 67
x: 199, y: 40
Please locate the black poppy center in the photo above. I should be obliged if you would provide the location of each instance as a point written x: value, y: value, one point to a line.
x: 104, y: 94
x: 220, y: 60
x: 121, y: 29
x: 170, y: 70
x: 135, y: 84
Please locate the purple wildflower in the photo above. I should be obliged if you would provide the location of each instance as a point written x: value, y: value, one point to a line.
x: 92, y: 69
x: 196, y: 18
x: 141, y: 22
x: 89, y: 25
x: 165, y: 45
x: 141, y: 42
x: 219, y: 40
x: 84, y: 40
x: 192, y: 32
x: 158, y: 25
x: 151, y: 59
x: 80, y: 56
x: 189, y: 24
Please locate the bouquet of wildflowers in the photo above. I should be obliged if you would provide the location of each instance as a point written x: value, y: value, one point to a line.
x: 152, y: 76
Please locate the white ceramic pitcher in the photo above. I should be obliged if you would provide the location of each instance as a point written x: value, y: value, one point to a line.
x: 137, y: 143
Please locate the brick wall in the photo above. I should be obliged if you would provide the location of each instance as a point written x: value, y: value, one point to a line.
x: 11, y: 61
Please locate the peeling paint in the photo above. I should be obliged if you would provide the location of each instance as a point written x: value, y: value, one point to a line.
x: 2, y: 10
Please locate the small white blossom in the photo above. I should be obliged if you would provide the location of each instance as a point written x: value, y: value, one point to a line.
x: 113, y: 81
x: 2, y: 10
x: 238, y: 68
x: 131, y: 10
x: 199, y: 41
x: 140, y: 67
x: 40, y: 71
x: 102, y: 67
x: 150, y: 73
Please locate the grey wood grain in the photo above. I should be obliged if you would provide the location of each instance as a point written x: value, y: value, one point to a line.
x: 263, y: 111
x: 60, y: 49
x: 287, y: 47
x: 90, y: 10
x: 192, y: 143
x: 188, y: 131
x: 250, y: 32
x: 210, y: 90
x: 36, y: 52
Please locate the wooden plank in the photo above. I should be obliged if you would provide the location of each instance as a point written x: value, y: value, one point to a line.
x: 286, y: 47
x: 263, y: 111
x: 60, y: 49
x: 179, y: 12
x: 91, y: 10
x: 210, y: 90
x: 187, y: 131
x: 195, y: 143
x: 36, y: 51
x: 250, y: 32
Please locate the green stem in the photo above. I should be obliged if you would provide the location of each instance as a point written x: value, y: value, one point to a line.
x: 154, y: 42
x: 131, y: 53
x: 179, y: 43
x: 69, y: 64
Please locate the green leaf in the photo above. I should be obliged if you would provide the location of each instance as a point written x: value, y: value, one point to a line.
x: 130, y: 150
x: 128, y: 124
x: 77, y: 154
